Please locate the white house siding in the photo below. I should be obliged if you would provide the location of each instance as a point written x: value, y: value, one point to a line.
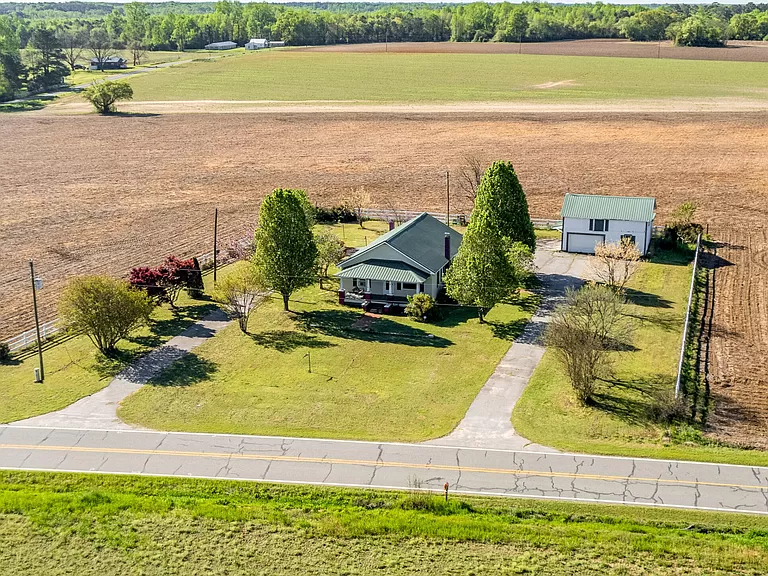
x: 379, y: 287
x: 616, y: 229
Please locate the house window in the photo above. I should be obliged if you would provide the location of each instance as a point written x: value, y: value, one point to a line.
x: 628, y: 238
x: 407, y: 286
x: 399, y: 285
x: 598, y: 225
x: 386, y: 285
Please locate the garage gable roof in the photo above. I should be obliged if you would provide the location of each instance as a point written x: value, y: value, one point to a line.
x: 632, y: 208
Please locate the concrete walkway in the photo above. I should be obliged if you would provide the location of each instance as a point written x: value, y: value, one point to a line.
x: 487, y: 423
x: 99, y: 410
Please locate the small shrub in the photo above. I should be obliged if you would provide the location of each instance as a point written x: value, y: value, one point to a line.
x: 421, y: 307
x: 666, y: 409
x: 104, y: 95
x: 334, y: 214
x: 5, y: 352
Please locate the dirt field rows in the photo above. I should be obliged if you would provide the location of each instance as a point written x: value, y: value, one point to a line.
x: 95, y: 197
x: 739, y: 341
x: 735, y: 51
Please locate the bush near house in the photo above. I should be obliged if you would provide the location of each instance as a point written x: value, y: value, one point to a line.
x: 421, y: 307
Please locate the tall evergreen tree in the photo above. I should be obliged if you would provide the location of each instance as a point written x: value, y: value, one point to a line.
x: 500, y: 197
x: 482, y: 273
x: 285, y: 248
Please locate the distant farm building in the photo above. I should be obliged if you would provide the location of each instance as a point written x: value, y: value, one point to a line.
x: 111, y: 63
x: 591, y: 219
x: 221, y: 46
x: 259, y: 43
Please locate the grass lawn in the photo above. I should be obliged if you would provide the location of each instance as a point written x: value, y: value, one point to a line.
x: 291, y: 75
x: 385, y: 379
x: 114, y: 525
x: 74, y: 368
x: 619, y: 423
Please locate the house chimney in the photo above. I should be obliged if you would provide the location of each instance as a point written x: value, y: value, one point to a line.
x: 391, y: 224
x: 447, y: 245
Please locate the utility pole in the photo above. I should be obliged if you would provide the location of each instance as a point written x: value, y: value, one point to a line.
x: 215, y: 241
x: 448, y: 197
x: 37, y: 322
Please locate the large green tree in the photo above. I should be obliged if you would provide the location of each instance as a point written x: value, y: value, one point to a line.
x: 136, y: 29
x: 286, y: 253
x: 48, y: 65
x: 482, y: 273
x: 11, y: 68
x: 500, y: 198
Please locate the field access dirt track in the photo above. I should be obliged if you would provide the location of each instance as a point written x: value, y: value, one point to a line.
x: 735, y: 51
x: 739, y: 341
x: 85, y: 194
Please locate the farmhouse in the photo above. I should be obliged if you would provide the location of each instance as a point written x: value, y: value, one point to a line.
x: 259, y: 43
x: 111, y: 63
x: 590, y: 219
x: 221, y: 46
x: 405, y: 261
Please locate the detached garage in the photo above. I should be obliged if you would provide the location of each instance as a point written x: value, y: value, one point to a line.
x: 590, y: 219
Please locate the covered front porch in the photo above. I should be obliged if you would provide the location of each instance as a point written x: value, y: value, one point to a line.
x: 382, y: 282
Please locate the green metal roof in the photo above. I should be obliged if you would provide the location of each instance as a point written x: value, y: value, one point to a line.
x: 421, y: 239
x: 634, y: 208
x: 387, y: 270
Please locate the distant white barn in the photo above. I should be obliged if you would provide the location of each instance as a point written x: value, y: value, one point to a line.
x: 257, y: 44
x: 221, y: 46
x: 591, y: 219
x: 260, y: 43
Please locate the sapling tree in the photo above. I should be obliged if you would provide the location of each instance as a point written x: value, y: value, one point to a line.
x: 330, y: 250
x: 240, y: 292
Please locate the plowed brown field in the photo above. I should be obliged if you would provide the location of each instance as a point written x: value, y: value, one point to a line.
x: 89, y: 194
x: 739, y: 340
x: 735, y: 51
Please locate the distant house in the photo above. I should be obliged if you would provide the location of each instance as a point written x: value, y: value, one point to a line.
x: 257, y: 44
x: 260, y: 43
x: 407, y: 260
x: 111, y: 63
x: 591, y: 219
x: 221, y: 46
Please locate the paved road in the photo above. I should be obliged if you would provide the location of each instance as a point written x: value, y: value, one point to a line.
x: 388, y: 465
x: 487, y: 423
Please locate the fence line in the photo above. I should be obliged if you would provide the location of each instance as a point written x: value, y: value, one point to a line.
x: 28, y: 337
x: 687, y: 318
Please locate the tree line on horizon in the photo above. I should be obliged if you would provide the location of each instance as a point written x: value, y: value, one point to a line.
x: 40, y: 42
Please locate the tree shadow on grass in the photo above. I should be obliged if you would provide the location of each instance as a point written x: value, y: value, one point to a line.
x: 110, y: 366
x: 455, y: 315
x: 632, y: 400
x: 508, y: 330
x: 646, y: 299
x: 188, y: 370
x: 341, y: 324
x: 668, y: 322
x: 287, y: 340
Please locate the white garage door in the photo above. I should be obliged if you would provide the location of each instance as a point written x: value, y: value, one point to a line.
x: 584, y: 243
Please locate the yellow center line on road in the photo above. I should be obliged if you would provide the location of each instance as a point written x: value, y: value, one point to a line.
x: 377, y: 463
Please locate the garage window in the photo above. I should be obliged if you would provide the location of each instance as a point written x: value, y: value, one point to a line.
x: 598, y: 225
x: 628, y: 238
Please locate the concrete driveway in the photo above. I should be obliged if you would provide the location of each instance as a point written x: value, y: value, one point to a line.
x: 487, y: 423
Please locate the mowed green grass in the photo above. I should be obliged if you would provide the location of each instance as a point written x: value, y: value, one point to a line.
x: 74, y: 368
x: 619, y: 422
x: 286, y: 75
x: 388, y: 379
x: 114, y: 525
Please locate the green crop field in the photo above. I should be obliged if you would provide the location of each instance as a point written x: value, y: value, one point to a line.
x: 103, y: 525
x: 288, y: 75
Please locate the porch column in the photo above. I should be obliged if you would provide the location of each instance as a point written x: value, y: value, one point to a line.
x: 367, y: 285
x: 418, y: 287
x: 390, y: 291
